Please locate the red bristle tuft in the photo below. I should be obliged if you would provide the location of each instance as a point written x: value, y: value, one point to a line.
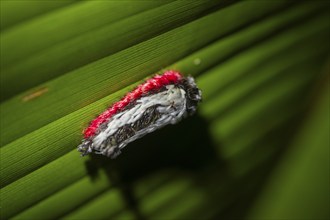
x: 155, y: 83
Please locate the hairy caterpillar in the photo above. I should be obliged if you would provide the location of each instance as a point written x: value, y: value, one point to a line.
x: 161, y: 100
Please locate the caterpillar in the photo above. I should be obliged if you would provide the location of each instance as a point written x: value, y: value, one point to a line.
x: 159, y: 101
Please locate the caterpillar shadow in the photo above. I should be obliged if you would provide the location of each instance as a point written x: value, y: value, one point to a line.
x: 185, y: 146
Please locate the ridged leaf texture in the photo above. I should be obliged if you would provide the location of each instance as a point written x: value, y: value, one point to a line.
x: 258, y: 148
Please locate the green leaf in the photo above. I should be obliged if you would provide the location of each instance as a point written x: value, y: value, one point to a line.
x: 299, y: 187
x: 257, y: 64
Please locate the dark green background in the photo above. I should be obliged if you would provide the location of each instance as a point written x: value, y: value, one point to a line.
x: 258, y: 148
